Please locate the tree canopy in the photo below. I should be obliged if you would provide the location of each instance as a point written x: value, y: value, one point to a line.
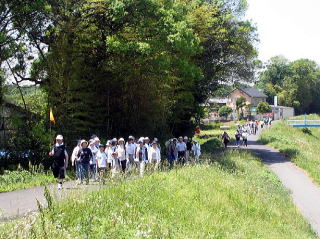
x: 295, y: 83
x: 120, y: 67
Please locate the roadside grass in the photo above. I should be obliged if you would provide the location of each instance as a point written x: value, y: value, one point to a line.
x: 210, y: 136
x: 301, y: 145
x: 228, y: 196
x: 22, y: 179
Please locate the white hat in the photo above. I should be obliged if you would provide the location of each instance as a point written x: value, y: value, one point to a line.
x: 146, y: 138
x: 96, y: 139
x: 140, y: 140
x: 121, y: 139
x: 185, y: 137
x: 59, y: 136
x: 180, y: 137
x: 83, y: 141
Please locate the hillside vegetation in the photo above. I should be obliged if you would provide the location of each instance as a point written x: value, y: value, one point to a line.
x: 230, y: 196
x: 301, y: 145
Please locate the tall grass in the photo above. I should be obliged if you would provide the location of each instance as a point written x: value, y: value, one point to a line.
x: 14, y: 180
x: 227, y: 197
x: 301, y: 145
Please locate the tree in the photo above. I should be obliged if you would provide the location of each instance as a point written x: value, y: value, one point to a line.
x: 225, y: 111
x: 240, y: 104
x: 129, y: 67
x: 295, y: 83
x: 263, y: 107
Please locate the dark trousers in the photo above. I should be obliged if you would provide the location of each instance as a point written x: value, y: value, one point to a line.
x: 181, y: 157
x: 123, y: 165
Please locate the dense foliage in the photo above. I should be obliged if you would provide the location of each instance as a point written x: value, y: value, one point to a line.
x: 125, y: 67
x: 296, y: 83
x: 224, y: 111
x: 263, y: 107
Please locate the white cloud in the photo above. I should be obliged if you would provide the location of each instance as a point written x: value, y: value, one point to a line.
x: 287, y: 27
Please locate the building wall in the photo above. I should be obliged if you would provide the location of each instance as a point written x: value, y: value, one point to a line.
x: 232, y: 98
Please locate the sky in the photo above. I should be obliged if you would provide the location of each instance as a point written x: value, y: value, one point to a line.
x: 287, y: 27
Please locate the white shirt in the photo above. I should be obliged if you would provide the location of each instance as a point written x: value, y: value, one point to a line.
x: 181, y: 146
x: 74, y: 156
x: 101, y: 159
x: 154, y: 154
x: 121, y: 153
x: 94, y: 151
x: 196, y: 149
x: 109, y: 153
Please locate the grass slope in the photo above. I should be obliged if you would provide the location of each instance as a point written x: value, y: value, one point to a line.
x: 14, y: 180
x: 232, y: 196
x: 300, y: 145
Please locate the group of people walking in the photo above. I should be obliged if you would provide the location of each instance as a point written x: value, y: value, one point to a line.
x: 243, y: 131
x: 93, y: 160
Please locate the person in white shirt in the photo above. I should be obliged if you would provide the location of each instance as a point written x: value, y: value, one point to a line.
x: 93, y: 162
x: 130, y: 153
x: 141, y: 156
x: 196, y: 150
x: 245, y: 138
x: 122, y: 154
x: 181, y: 148
x: 154, y: 155
x: 101, y: 158
x: 115, y: 160
x: 75, y: 160
x: 109, y: 152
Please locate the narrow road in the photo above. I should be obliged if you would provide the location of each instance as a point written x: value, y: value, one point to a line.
x: 305, y: 194
x: 20, y: 203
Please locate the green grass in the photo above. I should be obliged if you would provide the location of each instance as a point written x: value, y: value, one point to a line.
x: 232, y: 196
x: 299, y: 144
x: 14, y: 180
x: 210, y: 135
x: 21, y: 179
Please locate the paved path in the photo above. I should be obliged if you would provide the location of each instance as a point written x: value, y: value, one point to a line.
x: 20, y: 203
x: 305, y: 194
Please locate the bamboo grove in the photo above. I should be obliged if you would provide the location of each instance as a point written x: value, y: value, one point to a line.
x: 120, y: 67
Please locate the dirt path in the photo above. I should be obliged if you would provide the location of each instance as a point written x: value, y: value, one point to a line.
x: 305, y: 194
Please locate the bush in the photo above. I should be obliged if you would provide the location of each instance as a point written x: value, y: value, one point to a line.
x: 224, y: 111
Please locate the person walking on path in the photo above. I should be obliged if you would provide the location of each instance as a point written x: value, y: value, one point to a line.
x: 225, y: 138
x: 141, y: 156
x: 189, y: 148
x: 130, y: 150
x: 101, y: 162
x: 122, y: 154
x: 196, y: 150
x: 245, y: 138
x: 84, y: 155
x: 181, y: 147
x: 60, y: 160
x: 154, y: 155
x: 75, y: 161
x: 238, y: 137
x: 93, y: 162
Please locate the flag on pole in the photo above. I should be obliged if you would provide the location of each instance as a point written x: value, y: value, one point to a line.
x: 52, y: 117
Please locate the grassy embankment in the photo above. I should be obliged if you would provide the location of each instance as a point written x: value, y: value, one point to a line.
x: 228, y: 196
x: 299, y: 144
x: 14, y: 180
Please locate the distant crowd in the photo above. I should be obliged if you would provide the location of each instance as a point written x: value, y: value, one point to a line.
x: 93, y: 160
x: 243, y: 131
